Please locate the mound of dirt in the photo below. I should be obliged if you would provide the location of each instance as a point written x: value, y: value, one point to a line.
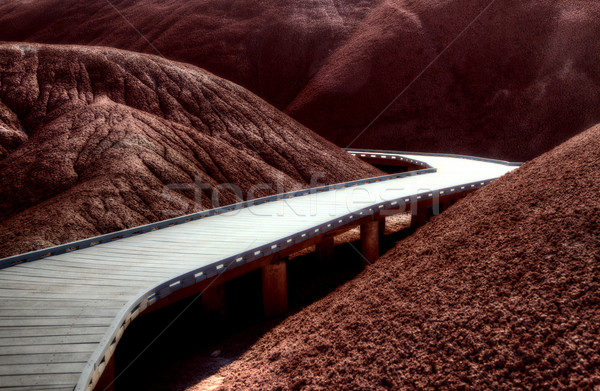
x: 271, y: 48
x: 519, y: 81
x: 501, y: 291
x: 94, y: 140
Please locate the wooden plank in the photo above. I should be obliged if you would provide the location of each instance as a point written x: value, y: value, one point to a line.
x: 16, y: 303
x: 46, y: 340
x: 119, y: 248
x: 258, y: 219
x: 170, y: 250
x: 45, y: 349
x: 185, y: 246
x: 78, y: 275
x: 238, y: 226
x: 55, y: 387
x: 102, y: 300
x: 64, y: 284
x: 62, y: 379
x: 41, y: 358
x: 178, y: 245
x: 64, y: 321
x: 72, y: 280
x: 75, y: 293
x: 133, y: 270
x: 159, y: 256
x: 172, y: 239
x: 156, y: 259
x: 39, y: 369
x: 84, y: 259
x: 25, y: 284
x: 184, y: 237
x: 27, y: 289
x: 50, y: 331
x: 116, y: 296
x: 58, y: 312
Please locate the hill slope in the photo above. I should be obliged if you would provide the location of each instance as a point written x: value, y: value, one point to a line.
x: 94, y: 140
x: 500, y: 291
x: 519, y: 81
x: 271, y: 48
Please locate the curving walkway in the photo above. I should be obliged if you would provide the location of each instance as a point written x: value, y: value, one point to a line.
x: 62, y: 316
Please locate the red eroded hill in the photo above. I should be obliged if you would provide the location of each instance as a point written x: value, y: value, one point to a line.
x: 520, y: 80
x: 271, y: 48
x: 501, y: 291
x: 94, y: 140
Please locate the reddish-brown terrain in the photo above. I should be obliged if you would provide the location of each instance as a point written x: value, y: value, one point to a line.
x: 502, y: 291
x: 521, y: 79
x: 271, y: 48
x: 94, y: 140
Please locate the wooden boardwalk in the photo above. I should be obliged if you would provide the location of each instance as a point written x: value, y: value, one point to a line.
x: 62, y: 316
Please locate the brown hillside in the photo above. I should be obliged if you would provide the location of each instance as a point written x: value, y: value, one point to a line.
x: 520, y: 81
x: 502, y: 291
x: 271, y: 48
x: 92, y: 138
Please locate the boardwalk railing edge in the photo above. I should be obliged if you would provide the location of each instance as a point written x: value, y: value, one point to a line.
x: 379, y: 153
x: 149, y: 297
x: 89, y: 242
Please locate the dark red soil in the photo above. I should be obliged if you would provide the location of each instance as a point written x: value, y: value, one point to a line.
x: 522, y: 79
x: 270, y: 47
x: 502, y: 291
x: 91, y: 138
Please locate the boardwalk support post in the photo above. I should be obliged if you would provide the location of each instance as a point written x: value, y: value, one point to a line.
x: 213, y: 302
x: 420, y: 215
x: 369, y: 241
x: 274, y: 287
x: 325, y: 249
x: 423, y: 211
x: 381, y: 228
